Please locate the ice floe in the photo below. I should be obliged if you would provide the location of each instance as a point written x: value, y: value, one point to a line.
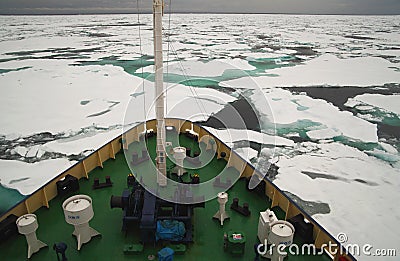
x: 323, y: 134
x: 247, y: 153
x: 230, y: 136
x: 55, y: 90
x: 83, y: 142
x: 390, y: 103
x: 329, y: 70
x: 288, y: 108
x: 28, y: 177
x: 387, y: 147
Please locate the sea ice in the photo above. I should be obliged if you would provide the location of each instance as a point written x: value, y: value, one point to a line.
x: 20, y: 151
x: 12, y: 136
x: 28, y: 177
x: 329, y: 70
x: 47, y: 97
x: 83, y: 142
x: 288, y: 108
x: 230, y: 136
x: 390, y: 103
x: 353, y: 184
x: 323, y: 134
x: 33, y: 151
x: 389, y: 148
x: 246, y: 153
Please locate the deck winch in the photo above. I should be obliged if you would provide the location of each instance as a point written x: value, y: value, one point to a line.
x: 149, y: 212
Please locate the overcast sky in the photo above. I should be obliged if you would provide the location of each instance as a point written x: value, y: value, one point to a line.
x: 230, y: 6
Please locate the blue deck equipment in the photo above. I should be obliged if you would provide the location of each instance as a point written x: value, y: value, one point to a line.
x: 171, y: 230
x: 166, y: 254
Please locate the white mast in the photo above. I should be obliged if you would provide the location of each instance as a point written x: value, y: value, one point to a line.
x: 158, y: 6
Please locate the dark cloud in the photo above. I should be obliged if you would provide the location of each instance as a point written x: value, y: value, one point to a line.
x: 231, y: 6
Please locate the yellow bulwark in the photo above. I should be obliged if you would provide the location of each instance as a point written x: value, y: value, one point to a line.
x: 43, y: 195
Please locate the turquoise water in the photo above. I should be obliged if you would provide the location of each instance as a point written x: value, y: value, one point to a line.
x: 9, y: 198
x: 129, y: 66
x: 14, y: 70
x: 380, y: 115
x: 133, y: 67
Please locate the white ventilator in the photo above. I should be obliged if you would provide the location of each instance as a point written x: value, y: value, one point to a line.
x: 78, y: 211
x: 274, y: 232
x: 221, y: 214
x: 179, y: 156
x: 27, y: 225
x: 281, y: 233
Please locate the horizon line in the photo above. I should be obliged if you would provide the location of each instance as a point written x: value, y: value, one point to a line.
x: 191, y: 12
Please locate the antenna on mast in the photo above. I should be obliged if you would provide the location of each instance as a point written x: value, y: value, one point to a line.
x: 158, y: 6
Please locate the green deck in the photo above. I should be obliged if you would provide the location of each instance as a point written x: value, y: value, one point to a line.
x: 208, y: 233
